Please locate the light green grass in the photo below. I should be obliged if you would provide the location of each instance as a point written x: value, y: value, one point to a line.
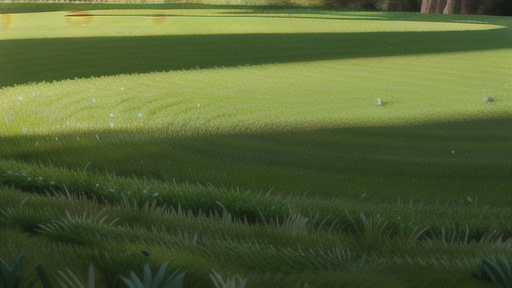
x: 234, y: 103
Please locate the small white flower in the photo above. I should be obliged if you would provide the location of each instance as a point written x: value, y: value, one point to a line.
x: 97, y: 185
x: 93, y: 100
x: 156, y: 194
x: 20, y: 98
x: 469, y: 199
x: 379, y: 102
x: 122, y: 88
x: 111, y: 115
x: 24, y: 130
x: 111, y: 124
x: 140, y: 115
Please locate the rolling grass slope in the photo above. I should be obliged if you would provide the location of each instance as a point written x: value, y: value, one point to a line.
x: 224, y: 105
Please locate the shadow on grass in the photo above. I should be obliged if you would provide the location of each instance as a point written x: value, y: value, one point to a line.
x: 37, y: 60
x: 448, y: 161
x: 51, y: 7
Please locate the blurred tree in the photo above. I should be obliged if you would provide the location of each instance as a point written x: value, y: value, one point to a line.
x: 425, y: 6
x: 485, y: 6
x: 438, y: 7
x: 464, y: 9
x: 448, y: 9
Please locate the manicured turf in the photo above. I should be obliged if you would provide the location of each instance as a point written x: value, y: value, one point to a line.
x: 324, y: 132
x: 243, y: 101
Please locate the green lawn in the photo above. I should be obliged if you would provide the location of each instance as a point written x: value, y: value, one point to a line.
x: 227, y: 104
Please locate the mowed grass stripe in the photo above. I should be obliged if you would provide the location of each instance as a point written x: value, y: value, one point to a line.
x: 190, y: 22
x: 332, y: 93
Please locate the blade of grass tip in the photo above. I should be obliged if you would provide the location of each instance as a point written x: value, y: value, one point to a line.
x: 219, y: 277
x: 225, y: 211
x: 87, y: 166
x: 178, y: 281
x: 505, y: 261
x: 5, y: 213
x: 112, y: 223
x: 352, y: 222
x: 22, y: 202
x: 147, y: 276
x: 69, y: 216
x: 268, y: 193
x: 489, y: 273
x: 61, y: 283
x: 242, y: 282
x: 5, y: 269
x: 54, y: 192
x: 160, y: 275
x: 323, y: 222
x: 231, y: 282
x: 103, y: 219
x: 262, y: 216
x: 453, y: 236
x: 214, y: 280
x: 497, y: 268
x: 467, y: 234
x: 363, y: 218
x: 67, y: 192
x: 128, y: 282
x: 169, y: 279
x: 74, y: 278
x: 91, y: 277
x: 17, y: 264
x: 421, y: 232
x: 135, y: 279
x: 66, y: 278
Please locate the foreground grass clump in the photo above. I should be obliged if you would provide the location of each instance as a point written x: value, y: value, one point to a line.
x: 117, y: 239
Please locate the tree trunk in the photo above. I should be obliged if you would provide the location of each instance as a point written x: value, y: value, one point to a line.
x: 486, y: 5
x: 438, y: 7
x: 425, y: 6
x: 449, y: 7
x: 464, y: 8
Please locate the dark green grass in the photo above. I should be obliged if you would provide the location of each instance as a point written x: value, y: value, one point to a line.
x: 7, y: 8
x: 396, y: 161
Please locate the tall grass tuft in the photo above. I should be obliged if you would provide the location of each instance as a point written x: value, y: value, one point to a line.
x: 149, y: 282
x: 496, y: 270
